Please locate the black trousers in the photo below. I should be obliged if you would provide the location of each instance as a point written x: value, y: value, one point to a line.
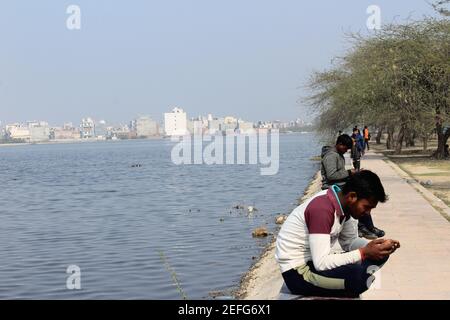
x: 366, y: 221
x: 345, y: 281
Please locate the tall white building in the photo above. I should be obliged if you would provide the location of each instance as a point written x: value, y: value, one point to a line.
x: 175, y: 122
x: 17, y: 131
x: 87, y: 128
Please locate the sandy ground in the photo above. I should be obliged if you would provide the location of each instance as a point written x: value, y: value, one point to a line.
x: 264, y: 281
x: 434, y: 175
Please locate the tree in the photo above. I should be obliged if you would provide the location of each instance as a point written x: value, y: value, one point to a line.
x: 397, y: 79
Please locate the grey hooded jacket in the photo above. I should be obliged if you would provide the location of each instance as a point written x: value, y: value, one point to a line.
x: 333, y: 168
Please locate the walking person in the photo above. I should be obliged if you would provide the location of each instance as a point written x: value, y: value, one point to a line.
x: 366, y: 135
x: 357, y: 149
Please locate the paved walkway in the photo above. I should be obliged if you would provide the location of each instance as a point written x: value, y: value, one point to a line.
x: 420, y: 269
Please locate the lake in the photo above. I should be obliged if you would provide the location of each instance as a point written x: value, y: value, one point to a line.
x: 136, y: 232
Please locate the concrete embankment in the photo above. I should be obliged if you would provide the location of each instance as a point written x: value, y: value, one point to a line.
x: 263, y: 281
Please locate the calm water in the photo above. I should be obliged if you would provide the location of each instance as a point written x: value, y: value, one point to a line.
x: 85, y: 204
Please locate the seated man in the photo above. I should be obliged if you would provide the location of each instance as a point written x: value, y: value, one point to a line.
x: 333, y: 172
x: 333, y: 162
x: 303, y: 248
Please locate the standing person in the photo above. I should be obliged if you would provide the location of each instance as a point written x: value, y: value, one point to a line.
x: 303, y: 246
x: 357, y: 149
x: 366, y: 134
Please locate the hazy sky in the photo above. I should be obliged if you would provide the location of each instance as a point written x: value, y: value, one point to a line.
x: 246, y: 58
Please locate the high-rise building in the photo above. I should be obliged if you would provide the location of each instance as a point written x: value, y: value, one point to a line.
x: 39, y: 133
x: 146, y: 127
x: 87, y: 128
x: 175, y: 122
x: 16, y: 131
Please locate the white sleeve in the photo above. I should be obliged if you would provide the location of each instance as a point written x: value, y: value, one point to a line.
x: 348, y: 238
x: 322, y: 257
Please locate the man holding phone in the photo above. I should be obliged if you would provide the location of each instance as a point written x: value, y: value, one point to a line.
x: 304, y: 242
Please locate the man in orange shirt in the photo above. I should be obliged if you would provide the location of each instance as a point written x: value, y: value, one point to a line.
x: 366, y: 138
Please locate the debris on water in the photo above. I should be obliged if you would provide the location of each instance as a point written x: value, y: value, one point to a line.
x: 221, y: 295
x: 260, y: 232
x: 251, y: 209
x: 280, y: 219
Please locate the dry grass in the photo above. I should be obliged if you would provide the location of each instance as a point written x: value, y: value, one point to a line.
x: 432, y: 174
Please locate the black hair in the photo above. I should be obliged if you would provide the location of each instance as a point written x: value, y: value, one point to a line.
x: 366, y: 185
x: 345, y: 140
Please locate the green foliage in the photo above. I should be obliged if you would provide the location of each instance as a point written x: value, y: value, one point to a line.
x: 397, y: 79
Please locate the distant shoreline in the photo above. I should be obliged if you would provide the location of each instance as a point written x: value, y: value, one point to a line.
x: 72, y: 141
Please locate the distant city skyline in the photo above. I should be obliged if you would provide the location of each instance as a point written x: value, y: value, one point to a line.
x: 250, y: 58
x: 159, y: 119
x: 176, y: 123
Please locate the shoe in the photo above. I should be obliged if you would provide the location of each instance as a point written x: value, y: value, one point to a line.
x: 380, y: 233
x: 366, y: 233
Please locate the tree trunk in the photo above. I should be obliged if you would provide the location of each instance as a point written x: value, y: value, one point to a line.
x: 379, y: 134
x: 408, y: 138
x: 412, y: 140
x: 442, y: 141
x: 425, y: 143
x: 400, y: 137
x: 390, y: 139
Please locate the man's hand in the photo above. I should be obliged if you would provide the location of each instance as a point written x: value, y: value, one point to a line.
x: 380, y: 248
x: 390, y: 245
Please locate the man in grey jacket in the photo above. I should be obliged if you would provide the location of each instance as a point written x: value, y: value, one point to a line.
x: 334, y: 173
x: 333, y: 163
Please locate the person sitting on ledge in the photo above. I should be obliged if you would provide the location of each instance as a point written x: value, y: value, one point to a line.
x: 333, y: 172
x: 303, y: 246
